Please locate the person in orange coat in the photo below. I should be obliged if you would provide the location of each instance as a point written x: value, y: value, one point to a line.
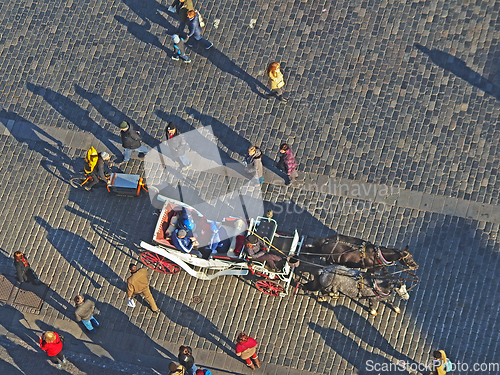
x: 246, y: 348
x: 50, y: 342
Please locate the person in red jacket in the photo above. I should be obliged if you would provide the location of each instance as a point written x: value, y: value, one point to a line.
x: 246, y: 348
x: 51, y: 343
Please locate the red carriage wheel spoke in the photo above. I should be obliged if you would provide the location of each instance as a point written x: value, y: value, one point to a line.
x: 158, y: 262
x: 269, y: 287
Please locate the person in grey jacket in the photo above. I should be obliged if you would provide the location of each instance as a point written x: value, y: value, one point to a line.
x: 131, y: 140
x: 177, y: 144
x: 84, y: 313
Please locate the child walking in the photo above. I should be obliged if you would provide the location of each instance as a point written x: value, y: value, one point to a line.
x: 179, y: 49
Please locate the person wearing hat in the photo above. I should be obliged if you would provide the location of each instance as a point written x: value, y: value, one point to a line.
x: 256, y: 251
x: 99, y: 173
x: 177, y: 144
x: 138, y: 284
x: 131, y: 141
x: 183, y: 243
x: 179, y: 49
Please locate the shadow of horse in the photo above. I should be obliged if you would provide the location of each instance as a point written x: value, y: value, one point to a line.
x: 460, y: 69
x: 50, y: 149
x: 77, y: 115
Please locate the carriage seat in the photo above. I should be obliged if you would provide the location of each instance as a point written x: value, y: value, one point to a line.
x: 235, y: 229
x: 168, y: 225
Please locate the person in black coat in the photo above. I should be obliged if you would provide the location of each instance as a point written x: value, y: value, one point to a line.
x: 24, y: 272
x: 187, y: 360
x: 177, y: 144
x: 131, y: 141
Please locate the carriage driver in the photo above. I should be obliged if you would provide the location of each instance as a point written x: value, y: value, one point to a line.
x: 256, y: 251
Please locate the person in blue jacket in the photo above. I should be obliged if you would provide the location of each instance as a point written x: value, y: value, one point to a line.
x: 184, y: 243
x: 195, y: 30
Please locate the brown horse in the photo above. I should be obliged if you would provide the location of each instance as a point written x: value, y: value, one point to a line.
x: 356, y: 253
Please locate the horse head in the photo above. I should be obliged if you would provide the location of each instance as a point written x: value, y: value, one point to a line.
x: 407, y: 259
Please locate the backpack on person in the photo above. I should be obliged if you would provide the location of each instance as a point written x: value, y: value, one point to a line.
x: 91, y: 160
x: 448, y: 365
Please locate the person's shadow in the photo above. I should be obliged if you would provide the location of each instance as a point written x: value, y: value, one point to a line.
x: 360, y: 327
x: 363, y: 360
x: 185, y: 316
x: 141, y: 32
x: 77, y: 115
x: 79, y: 253
x: 460, y: 69
x: 113, y: 114
x: 26, y: 132
x: 225, y: 64
x: 148, y: 11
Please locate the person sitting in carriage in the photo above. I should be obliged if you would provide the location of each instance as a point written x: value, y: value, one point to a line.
x: 184, y: 243
x: 186, y: 222
x: 257, y: 251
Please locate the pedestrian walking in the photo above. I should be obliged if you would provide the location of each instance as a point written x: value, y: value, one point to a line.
x: 288, y: 163
x: 131, y: 141
x: 181, y: 7
x: 246, y: 348
x: 84, y: 312
x: 195, y: 29
x: 276, y: 82
x: 175, y: 369
x: 441, y: 364
x: 23, y: 270
x: 186, y: 359
x: 253, y: 164
x: 138, y: 284
x: 180, y: 49
x: 177, y: 144
x: 52, y: 344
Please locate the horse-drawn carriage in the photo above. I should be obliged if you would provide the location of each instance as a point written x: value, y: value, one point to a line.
x: 162, y: 255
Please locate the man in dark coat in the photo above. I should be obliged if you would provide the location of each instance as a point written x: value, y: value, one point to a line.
x: 131, y: 141
x: 186, y: 359
x: 181, y: 8
x: 177, y: 144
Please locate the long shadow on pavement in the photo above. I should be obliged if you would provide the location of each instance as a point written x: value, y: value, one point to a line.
x: 77, y: 115
x: 350, y: 351
x: 79, y: 253
x: 25, y: 131
x: 141, y: 32
x: 460, y: 69
x: 149, y: 11
x: 225, y: 64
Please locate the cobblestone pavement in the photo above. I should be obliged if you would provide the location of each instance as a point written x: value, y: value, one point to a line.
x: 366, y: 106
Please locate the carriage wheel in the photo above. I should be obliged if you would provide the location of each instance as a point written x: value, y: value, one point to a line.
x: 159, y: 263
x: 269, y: 287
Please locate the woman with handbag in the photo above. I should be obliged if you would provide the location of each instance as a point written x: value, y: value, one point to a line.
x: 52, y: 344
x: 246, y: 348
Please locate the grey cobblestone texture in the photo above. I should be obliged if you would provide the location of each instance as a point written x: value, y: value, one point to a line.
x: 365, y: 105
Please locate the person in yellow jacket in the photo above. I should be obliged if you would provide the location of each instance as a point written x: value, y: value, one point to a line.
x: 439, y: 362
x: 276, y: 82
x: 138, y: 284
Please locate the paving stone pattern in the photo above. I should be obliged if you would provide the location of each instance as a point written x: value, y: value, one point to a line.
x: 365, y: 105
